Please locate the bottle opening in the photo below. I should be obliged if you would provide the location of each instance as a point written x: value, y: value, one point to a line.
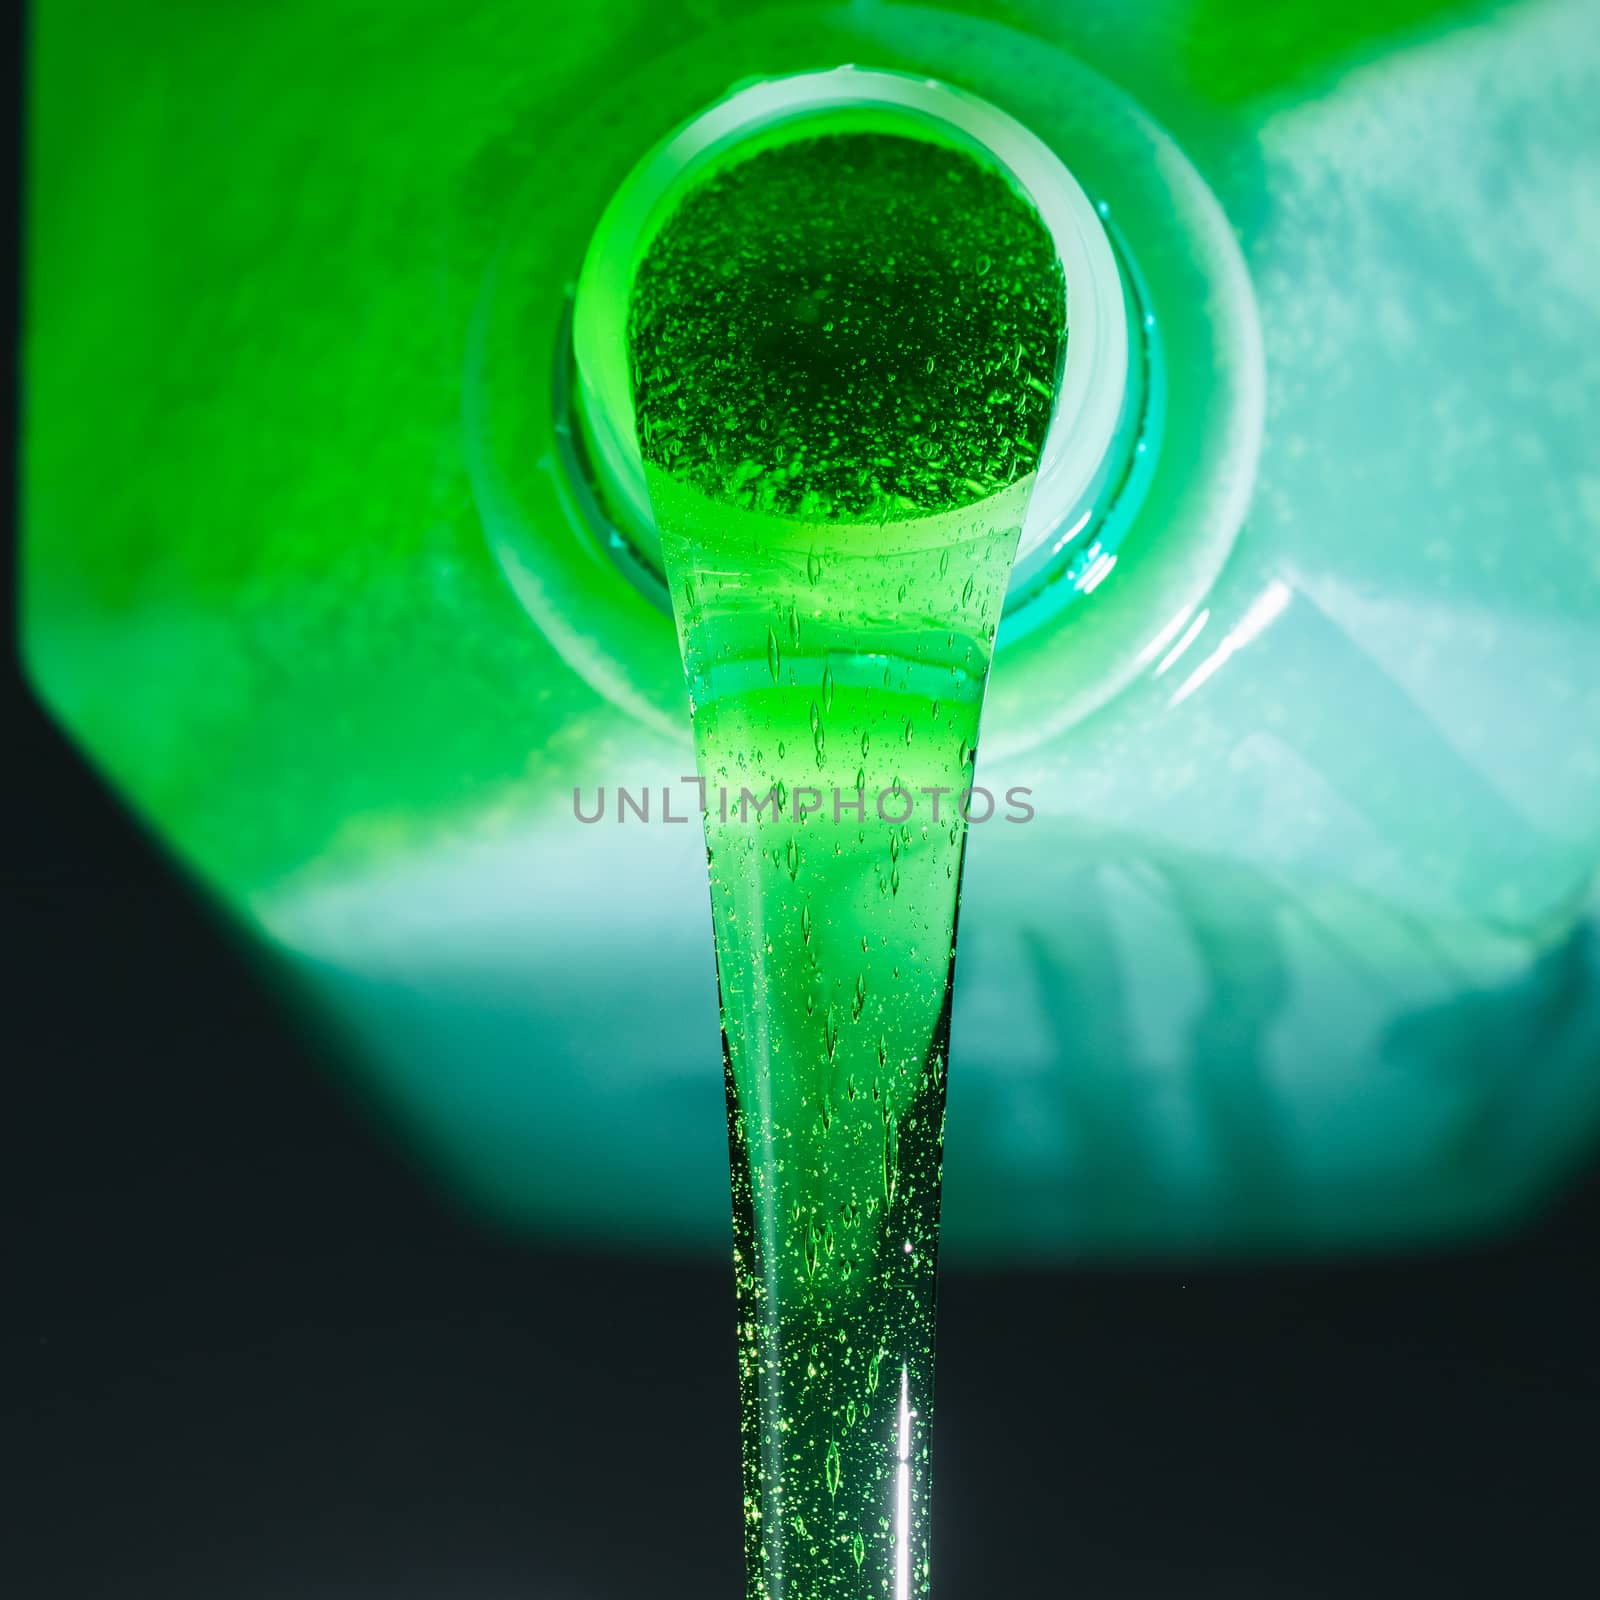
x: 798, y: 119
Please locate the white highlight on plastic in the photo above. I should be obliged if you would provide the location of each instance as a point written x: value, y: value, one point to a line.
x: 1266, y: 606
x: 1097, y: 574
x: 1168, y: 633
x: 1072, y: 532
x: 1183, y: 644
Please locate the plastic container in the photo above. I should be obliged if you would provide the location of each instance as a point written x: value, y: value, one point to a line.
x: 1298, y: 951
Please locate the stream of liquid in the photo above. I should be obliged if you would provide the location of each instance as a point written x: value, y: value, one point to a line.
x: 845, y: 351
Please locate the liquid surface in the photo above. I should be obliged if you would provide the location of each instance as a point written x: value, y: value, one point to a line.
x: 844, y: 354
x: 847, y: 325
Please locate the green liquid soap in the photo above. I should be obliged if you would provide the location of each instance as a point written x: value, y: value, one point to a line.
x: 845, y: 349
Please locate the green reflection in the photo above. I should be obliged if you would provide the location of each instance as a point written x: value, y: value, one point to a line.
x: 844, y: 348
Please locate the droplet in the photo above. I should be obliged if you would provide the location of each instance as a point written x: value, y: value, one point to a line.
x: 833, y: 1468
x: 774, y: 658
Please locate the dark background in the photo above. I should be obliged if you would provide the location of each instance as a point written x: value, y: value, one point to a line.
x: 246, y: 1351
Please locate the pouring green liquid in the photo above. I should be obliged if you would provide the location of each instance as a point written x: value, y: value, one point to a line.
x: 845, y: 348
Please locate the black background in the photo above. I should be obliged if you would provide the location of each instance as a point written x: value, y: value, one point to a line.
x: 246, y: 1351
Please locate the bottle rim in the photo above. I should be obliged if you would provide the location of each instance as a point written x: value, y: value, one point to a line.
x: 1088, y: 403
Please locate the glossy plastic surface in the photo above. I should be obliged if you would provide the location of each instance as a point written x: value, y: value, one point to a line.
x: 1299, y: 949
